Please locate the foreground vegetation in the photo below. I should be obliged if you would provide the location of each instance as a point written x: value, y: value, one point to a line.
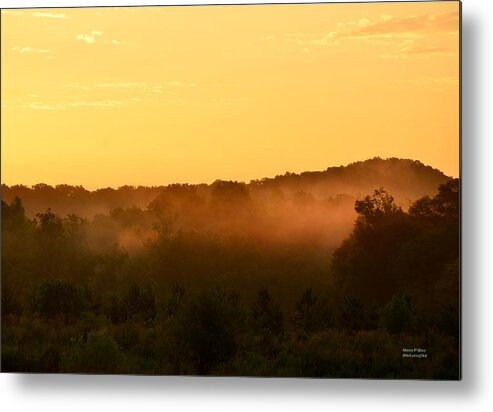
x: 219, y: 303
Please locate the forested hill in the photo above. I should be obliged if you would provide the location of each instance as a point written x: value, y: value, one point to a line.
x: 407, y: 180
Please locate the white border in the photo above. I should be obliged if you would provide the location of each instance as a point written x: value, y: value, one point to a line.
x: 127, y: 393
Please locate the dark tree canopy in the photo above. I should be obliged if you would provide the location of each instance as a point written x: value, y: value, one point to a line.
x: 236, y: 279
x: 390, y: 251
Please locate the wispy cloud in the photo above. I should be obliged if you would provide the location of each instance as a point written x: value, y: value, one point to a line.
x: 38, y: 105
x: 9, y: 12
x: 26, y: 50
x: 95, y: 35
x: 50, y: 15
x: 402, y: 35
x: 104, y: 103
x: 410, y: 51
x: 90, y: 37
x: 120, y: 42
x: 177, y: 83
x: 170, y: 87
x: 114, y: 95
x: 43, y: 106
x: 119, y: 85
x: 443, y: 23
x: 141, y: 86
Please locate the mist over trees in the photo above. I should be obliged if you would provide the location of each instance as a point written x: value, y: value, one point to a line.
x: 327, y: 274
x: 314, y: 207
x: 406, y: 179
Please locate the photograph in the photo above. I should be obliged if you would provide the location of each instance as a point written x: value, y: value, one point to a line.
x: 256, y: 190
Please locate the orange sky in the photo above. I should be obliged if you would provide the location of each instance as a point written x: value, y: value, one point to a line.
x: 114, y: 96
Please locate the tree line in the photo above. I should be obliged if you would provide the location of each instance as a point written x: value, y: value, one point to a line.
x: 196, y: 301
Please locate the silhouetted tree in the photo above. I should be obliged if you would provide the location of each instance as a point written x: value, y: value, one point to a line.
x: 115, y: 308
x: 98, y: 354
x: 10, y: 303
x: 311, y: 313
x: 266, y: 315
x: 140, y: 301
x: 352, y: 316
x: 396, y: 316
x: 365, y: 264
x: 205, y: 330
x: 52, y: 297
x: 175, y: 300
x: 13, y: 215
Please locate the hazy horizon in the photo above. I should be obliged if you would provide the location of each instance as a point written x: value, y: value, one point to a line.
x: 89, y: 188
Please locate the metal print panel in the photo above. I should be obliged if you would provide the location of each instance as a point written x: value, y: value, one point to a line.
x: 236, y: 190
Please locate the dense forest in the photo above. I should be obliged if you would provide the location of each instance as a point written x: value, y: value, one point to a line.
x: 319, y: 274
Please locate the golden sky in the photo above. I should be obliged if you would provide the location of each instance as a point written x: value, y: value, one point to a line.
x: 155, y: 95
